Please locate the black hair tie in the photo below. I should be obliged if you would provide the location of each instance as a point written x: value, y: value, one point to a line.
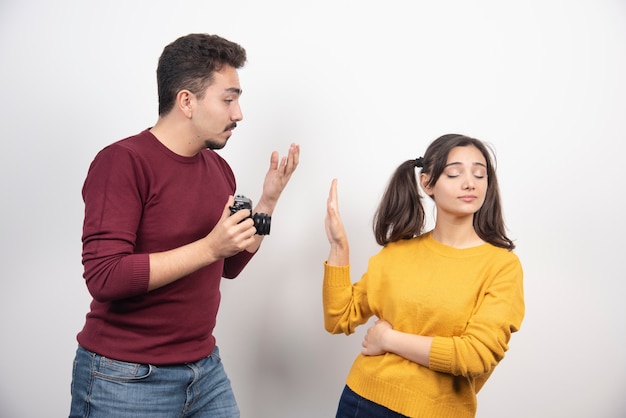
x: 419, y: 162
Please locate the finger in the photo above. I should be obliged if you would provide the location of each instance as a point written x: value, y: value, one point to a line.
x: 282, y: 168
x: 330, y: 202
x: 294, y: 157
x: 332, y: 196
x: 249, y: 232
x: 242, y: 215
x: 274, y: 160
x: 229, y: 204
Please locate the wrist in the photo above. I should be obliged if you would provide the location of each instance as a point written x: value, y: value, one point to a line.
x: 265, y: 205
x: 387, y: 339
x: 339, y: 246
x: 339, y: 255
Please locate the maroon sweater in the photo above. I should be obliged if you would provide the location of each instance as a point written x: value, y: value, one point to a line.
x: 141, y: 198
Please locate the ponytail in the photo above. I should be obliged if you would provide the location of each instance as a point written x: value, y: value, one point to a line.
x: 400, y: 214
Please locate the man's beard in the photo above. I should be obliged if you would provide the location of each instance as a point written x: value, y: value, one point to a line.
x: 211, y: 144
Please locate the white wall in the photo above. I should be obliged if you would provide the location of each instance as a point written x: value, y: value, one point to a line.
x: 362, y: 86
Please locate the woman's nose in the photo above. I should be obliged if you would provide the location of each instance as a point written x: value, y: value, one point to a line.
x: 468, y: 183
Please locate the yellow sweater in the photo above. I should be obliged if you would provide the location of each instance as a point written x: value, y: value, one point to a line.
x: 470, y: 300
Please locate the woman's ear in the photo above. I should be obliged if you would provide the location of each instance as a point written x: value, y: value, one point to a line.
x: 424, y: 179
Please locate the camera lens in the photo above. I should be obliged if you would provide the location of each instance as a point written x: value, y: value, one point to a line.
x: 262, y: 223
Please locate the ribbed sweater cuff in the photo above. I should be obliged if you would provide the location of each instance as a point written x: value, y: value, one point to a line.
x: 441, y: 355
x: 336, y: 276
x: 141, y: 274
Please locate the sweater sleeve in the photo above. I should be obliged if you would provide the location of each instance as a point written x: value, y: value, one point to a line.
x: 235, y: 264
x: 345, y: 305
x: 113, y: 210
x: 498, y: 314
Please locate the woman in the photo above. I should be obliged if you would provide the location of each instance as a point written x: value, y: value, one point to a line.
x: 447, y: 300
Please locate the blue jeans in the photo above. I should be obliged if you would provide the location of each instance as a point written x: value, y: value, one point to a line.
x: 352, y: 405
x: 102, y: 387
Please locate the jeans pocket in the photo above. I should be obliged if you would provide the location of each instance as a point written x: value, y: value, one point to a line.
x: 121, y: 371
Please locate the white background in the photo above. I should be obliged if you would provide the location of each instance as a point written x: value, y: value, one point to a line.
x: 361, y: 86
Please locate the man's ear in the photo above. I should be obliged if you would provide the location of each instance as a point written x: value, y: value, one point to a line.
x: 185, y: 101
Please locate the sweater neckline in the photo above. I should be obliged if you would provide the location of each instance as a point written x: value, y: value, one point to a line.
x: 171, y: 154
x: 450, y: 251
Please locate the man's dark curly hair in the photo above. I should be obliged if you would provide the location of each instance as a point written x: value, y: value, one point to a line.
x: 190, y: 62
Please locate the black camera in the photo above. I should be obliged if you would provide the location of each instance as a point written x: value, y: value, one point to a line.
x: 262, y: 221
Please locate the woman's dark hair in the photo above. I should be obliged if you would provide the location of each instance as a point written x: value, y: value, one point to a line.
x: 400, y: 214
x: 189, y: 63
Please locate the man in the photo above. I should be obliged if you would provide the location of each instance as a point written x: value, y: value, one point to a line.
x: 158, y: 236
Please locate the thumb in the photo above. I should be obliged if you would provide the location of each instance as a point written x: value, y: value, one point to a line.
x: 226, y: 212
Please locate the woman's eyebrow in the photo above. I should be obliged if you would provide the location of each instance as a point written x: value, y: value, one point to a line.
x: 459, y: 163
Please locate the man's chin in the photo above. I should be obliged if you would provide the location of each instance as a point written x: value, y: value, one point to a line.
x: 210, y: 144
